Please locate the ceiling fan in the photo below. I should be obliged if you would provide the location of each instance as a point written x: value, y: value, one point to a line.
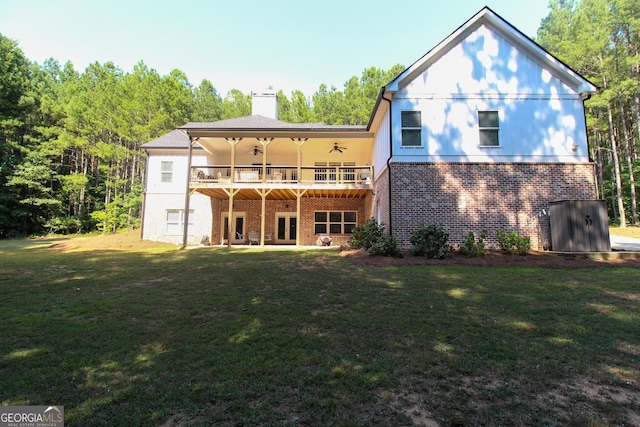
x: 336, y: 148
x: 255, y: 150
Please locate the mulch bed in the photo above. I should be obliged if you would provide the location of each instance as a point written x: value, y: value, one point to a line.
x: 502, y: 259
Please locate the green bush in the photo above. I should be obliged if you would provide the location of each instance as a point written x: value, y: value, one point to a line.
x: 64, y: 225
x: 430, y: 241
x: 371, y: 236
x: 512, y: 242
x: 363, y: 235
x: 385, y: 245
x: 472, y: 248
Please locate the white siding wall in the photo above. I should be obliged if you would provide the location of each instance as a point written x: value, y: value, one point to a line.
x: 381, y: 146
x: 541, y: 118
x: 155, y: 217
x: 162, y: 196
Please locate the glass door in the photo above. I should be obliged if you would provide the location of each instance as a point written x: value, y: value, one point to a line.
x: 238, y: 231
x: 286, y: 228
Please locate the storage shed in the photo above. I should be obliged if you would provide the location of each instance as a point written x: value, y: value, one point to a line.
x: 579, y: 226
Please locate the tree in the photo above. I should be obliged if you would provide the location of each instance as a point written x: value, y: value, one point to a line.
x: 599, y: 39
x: 298, y: 110
x: 236, y: 104
x: 17, y: 107
x: 207, y: 103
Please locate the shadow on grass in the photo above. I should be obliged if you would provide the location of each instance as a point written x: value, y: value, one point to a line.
x: 231, y: 336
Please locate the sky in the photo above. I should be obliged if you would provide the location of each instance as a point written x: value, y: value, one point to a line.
x: 248, y: 44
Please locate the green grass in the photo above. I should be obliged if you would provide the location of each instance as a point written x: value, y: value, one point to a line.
x: 280, y: 338
x: 629, y: 231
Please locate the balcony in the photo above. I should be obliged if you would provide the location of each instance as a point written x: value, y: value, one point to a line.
x: 283, y: 181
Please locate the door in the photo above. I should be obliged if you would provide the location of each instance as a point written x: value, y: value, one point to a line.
x: 286, y: 227
x: 238, y: 229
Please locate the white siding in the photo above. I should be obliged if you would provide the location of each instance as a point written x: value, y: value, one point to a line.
x: 541, y: 118
x: 162, y: 196
x: 179, y: 160
x: 381, y: 145
x: 155, y: 215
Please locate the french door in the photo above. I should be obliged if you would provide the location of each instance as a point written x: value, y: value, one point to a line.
x: 286, y: 228
x: 238, y: 229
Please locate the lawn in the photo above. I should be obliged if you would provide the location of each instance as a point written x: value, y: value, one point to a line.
x: 214, y: 336
x: 629, y: 231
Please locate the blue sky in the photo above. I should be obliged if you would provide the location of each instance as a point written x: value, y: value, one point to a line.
x: 248, y: 44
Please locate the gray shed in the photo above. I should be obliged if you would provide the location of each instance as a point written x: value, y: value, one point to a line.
x: 579, y: 226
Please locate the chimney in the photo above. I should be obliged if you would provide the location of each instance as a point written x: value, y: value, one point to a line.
x: 264, y: 103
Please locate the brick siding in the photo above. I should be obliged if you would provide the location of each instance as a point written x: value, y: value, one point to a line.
x: 308, y: 206
x: 465, y: 197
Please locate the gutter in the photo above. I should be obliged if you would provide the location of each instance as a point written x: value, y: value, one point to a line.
x: 390, y: 156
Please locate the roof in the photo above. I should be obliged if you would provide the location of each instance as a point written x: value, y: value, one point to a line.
x: 263, y: 127
x: 251, y: 126
x: 259, y: 123
x: 173, y: 139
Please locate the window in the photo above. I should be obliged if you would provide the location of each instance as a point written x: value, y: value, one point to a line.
x: 489, y: 126
x: 166, y: 171
x: 335, y: 222
x: 411, y: 128
x: 175, y: 221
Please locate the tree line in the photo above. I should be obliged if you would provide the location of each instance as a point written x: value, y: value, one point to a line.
x: 70, y: 158
x: 600, y: 39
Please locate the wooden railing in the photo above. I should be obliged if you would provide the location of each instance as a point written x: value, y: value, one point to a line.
x: 282, y: 174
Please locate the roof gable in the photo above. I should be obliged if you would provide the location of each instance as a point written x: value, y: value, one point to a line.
x: 479, y: 25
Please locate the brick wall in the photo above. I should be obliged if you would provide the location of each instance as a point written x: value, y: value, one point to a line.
x: 380, y: 205
x: 465, y: 197
x: 308, y: 206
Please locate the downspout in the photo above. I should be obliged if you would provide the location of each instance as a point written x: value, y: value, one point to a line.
x: 187, y: 196
x: 144, y: 194
x: 389, y: 159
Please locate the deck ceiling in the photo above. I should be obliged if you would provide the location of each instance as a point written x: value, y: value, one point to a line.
x: 286, y: 194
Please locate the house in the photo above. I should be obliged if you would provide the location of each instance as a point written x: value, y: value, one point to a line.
x: 481, y: 133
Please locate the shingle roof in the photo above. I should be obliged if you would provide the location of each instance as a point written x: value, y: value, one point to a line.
x: 173, y: 139
x: 257, y: 123
x: 178, y: 138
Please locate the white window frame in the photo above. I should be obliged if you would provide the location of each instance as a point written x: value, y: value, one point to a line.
x: 486, y: 129
x: 174, y: 225
x: 411, y: 129
x: 166, y: 172
x: 328, y: 223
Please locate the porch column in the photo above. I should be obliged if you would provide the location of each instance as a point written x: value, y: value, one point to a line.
x: 299, y: 142
x: 187, y: 195
x: 230, y: 223
x: 263, y: 194
x: 264, y: 142
x: 299, y: 194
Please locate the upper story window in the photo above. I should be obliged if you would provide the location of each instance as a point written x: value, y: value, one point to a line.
x: 489, y: 127
x: 411, y: 128
x: 166, y: 171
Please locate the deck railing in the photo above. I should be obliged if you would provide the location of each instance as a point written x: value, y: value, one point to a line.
x: 282, y: 174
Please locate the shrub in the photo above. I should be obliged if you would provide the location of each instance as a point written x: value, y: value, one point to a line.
x: 64, y: 225
x: 430, y: 241
x: 371, y: 236
x: 385, y: 245
x: 363, y: 235
x: 472, y: 248
x: 512, y: 242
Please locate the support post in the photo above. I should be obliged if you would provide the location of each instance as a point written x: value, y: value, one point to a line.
x: 187, y: 195
x: 230, y: 224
